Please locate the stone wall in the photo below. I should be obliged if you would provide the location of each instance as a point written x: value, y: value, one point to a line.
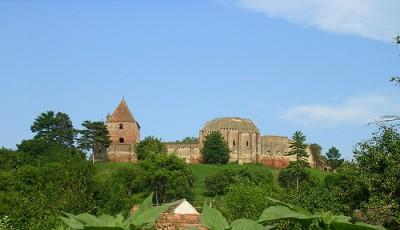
x: 189, y: 152
x: 121, y: 153
x: 243, y: 145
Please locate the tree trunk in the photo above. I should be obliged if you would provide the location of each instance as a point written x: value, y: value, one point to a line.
x: 297, y: 183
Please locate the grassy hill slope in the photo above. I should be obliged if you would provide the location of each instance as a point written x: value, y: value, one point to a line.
x: 200, y: 172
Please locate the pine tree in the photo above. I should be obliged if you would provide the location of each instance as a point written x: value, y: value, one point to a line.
x: 298, y: 148
x: 54, y: 127
x: 95, y: 138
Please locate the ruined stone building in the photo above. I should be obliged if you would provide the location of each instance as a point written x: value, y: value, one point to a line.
x: 246, y: 143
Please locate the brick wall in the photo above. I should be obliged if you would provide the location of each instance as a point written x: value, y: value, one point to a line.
x: 169, y: 221
x: 273, y: 161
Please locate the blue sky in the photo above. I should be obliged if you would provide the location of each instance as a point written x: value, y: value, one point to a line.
x: 322, y: 67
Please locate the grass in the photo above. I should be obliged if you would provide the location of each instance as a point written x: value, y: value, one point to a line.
x: 201, y: 171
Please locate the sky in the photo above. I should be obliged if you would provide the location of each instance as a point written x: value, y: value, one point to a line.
x: 322, y: 67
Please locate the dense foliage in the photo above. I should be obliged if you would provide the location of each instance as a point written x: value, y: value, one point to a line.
x: 41, y: 180
x: 95, y: 138
x: 218, y: 183
x: 215, y: 149
x: 379, y: 170
x: 334, y: 158
x: 148, y: 146
x: 54, y: 127
x: 272, y: 217
x: 48, y: 175
x: 296, y: 169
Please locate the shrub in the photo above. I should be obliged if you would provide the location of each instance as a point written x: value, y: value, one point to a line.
x: 218, y: 184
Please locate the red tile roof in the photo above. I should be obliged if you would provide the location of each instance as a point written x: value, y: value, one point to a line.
x: 122, y: 113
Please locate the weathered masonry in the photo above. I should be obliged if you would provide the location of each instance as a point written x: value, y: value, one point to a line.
x: 124, y: 133
x: 246, y: 143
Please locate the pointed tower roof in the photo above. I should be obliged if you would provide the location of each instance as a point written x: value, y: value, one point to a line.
x: 122, y: 113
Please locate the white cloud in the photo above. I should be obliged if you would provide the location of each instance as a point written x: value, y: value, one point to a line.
x: 355, y: 110
x: 374, y: 19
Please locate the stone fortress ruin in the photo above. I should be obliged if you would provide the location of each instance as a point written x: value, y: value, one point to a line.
x: 246, y: 143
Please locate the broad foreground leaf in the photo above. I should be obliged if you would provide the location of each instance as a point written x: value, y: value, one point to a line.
x: 72, y: 222
x: 213, y: 219
x: 149, y: 216
x: 275, y: 213
x: 342, y: 224
x: 246, y: 224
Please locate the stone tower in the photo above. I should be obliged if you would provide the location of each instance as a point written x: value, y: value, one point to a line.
x: 124, y: 133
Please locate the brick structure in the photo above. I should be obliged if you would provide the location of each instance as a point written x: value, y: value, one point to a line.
x: 181, y: 215
x: 246, y: 143
x: 124, y: 133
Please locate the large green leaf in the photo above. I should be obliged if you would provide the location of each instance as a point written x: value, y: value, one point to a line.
x: 246, y: 224
x: 275, y: 213
x: 145, y: 205
x: 340, y: 224
x: 213, y: 219
x: 72, y: 222
x: 90, y: 220
x: 148, y: 217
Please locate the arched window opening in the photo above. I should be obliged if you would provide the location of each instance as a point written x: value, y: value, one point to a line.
x: 121, y: 140
x: 234, y: 143
x: 247, y: 143
x: 121, y: 126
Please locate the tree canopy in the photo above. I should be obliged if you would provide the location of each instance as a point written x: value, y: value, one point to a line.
x: 333, y: 157
x: 298, y: 147
x: 150, y: 145
x: 215, y: 149
x: 94, y: 137
x: 54, y: 127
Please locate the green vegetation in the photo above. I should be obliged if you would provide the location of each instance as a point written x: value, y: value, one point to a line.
x: 47, y: 176
x: 215, y: 149
x: 94, y: 137
x: 272, y: 217
x: 144, y: 218
x: 333, y: 158
x: 54, y: 127
x: 149, y: 146
x: 296, y: 172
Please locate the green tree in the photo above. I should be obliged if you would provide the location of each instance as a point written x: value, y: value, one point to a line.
x: 298, y: 148
x: 48, y: 178
x: 150, y: 145
x: 316, y: 152
x: 54, y: 127
x: 215, y: 149
x: 167, y: 176
x: 378, y: 164
x: 333, y: 157
x: 95, y: 138
x: 189, y: 140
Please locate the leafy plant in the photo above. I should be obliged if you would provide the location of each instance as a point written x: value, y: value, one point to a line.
x: 144, y: 217
x: 213, y: 219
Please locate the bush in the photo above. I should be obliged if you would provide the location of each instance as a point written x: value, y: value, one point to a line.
x: 218, y: 184
x: 287, y: 177
x: 149, y: 146
x: 247, y: 200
